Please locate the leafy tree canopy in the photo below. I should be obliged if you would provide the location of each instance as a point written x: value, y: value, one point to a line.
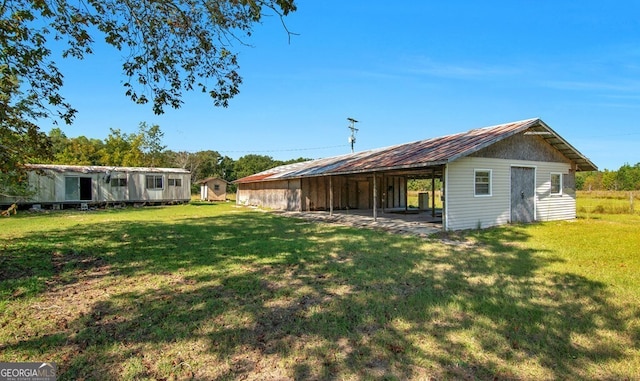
x: 250, y: 164
x: 626, y: 178
x: 146, y: 148
x: 169, y: 46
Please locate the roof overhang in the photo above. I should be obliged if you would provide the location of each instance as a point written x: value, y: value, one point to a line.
x: 542, y: 130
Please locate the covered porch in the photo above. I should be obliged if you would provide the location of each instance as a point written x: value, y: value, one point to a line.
x: 373, y: 194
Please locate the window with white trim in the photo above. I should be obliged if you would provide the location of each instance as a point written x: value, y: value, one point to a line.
x: 175, y: 182
x: 482, y: 182
x: 556, y: 184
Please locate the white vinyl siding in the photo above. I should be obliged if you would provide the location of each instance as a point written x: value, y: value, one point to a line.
x: 554, y: 207
x: 466, y: 211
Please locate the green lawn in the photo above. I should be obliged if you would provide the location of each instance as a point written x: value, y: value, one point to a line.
x: 608, y: 202
x: 412, y: 197
x: 214, y: 292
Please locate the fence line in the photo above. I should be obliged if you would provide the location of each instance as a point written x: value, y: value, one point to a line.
x: 608, y: 202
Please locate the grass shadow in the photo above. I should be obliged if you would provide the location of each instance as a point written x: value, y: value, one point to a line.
x: 258, y: 296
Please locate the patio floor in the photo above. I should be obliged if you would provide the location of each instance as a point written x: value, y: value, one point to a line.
x: 412, y: 222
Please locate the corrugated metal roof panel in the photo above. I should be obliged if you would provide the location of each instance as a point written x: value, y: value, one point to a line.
x: 423, y: 153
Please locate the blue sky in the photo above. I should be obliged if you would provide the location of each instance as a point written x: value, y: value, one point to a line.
x: 407, y: 70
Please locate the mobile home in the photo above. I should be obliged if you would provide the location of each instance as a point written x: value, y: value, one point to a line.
x: 60, y: 185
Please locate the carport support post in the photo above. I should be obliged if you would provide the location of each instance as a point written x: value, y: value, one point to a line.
x: 433, y: 192
x: 330, y: 197
x: 406, y: 193
x: 375, y: 198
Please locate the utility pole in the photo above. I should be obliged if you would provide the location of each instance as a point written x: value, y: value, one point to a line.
x: 352, y: 127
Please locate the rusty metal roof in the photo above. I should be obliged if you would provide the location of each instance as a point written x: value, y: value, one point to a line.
x: 102, y: 169
x: 422, y: 154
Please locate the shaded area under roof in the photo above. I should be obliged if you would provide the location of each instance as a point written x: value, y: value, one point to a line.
x: 423, y: 153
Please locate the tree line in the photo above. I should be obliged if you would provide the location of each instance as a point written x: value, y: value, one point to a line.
x: 626, y: 178
x: 145, y: 148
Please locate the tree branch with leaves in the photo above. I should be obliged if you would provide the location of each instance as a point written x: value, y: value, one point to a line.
x: 169, y: 47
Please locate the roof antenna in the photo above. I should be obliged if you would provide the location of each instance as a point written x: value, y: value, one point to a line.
x: 352, y: 127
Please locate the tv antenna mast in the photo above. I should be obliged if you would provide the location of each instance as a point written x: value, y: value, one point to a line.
x: 352, y: 127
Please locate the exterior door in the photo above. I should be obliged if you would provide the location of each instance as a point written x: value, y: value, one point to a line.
x: 78, y: 188
x: 363, y: 195
x: 523, y: 189
x: 204, y: 192
x: 86, y: 189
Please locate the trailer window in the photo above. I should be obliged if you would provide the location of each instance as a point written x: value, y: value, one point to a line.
x: 118, y: 182
x: 155, y: 182
x: 175, y: 182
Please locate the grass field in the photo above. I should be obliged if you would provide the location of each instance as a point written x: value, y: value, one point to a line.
x: 608, y: 202
x: 412, y: 197
x: 213, y: 292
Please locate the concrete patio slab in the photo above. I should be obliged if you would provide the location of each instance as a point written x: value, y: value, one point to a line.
x: 413, y: 222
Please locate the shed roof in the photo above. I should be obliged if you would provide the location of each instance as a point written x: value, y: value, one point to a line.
x: 211, y: 179
x: 103, y: 169
x: 423, y: 153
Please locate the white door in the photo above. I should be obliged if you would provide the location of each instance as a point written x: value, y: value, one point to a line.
x: 204, y: 190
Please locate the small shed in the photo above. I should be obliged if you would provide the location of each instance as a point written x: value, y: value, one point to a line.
x: 213, y: 189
